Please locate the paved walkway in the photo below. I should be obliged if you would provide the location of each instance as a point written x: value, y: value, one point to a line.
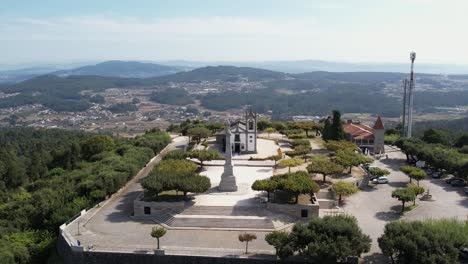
x: 110, y: 228
x: 374, y: 206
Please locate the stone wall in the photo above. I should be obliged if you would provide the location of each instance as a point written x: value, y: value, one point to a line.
x: 98, y: 257
x: 155, y: 207
x: 295, y: 210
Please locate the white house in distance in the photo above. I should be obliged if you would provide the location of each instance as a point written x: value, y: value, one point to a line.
x: 243, y: 134
x: 366, y: 137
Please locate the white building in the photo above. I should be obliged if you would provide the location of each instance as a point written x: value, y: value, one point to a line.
x: 243, y: 134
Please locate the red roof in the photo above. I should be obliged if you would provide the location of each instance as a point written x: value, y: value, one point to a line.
x: 359, y: 131
x: 378, y: 124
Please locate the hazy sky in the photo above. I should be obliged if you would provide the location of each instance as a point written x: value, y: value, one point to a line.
x: 239, y: 30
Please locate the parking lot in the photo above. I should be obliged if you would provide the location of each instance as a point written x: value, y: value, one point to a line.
x: 374, y: 206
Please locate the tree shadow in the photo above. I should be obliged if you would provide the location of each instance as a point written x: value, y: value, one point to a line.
x: 397, y: 184
x: 369, y: 188
x: 124, y: 209
x: 388, y: 216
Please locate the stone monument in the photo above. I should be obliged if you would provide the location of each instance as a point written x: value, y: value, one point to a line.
x: 228, y: 180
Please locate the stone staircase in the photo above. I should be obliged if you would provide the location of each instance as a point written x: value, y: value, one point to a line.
x: 229, y: 217
x: 326, y: 199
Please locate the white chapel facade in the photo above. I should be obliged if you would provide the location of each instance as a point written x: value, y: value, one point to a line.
x: 243, y: 134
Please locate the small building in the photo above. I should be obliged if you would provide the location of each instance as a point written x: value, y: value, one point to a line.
x: 367, y: 138
x: 243, y: 134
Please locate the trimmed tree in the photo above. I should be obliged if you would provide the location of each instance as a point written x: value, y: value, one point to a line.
x: 414, y: 173
x: 417, y: 191
x: 343, y: 188
x: 198, y: 133
x: 267, y: 185
x: 349, y: 158
x: 323, y: 165
x: 247, y: 237
x: 178, y: 175
x: 334, y: 145
x: 378, y: 171
x: 158, y: 232
x: 404, y: 195
x: 299, y: 183
x: 291, y: 163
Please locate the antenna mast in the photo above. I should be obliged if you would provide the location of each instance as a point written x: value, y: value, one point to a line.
x: 403, y: 121
x: 411, y: 95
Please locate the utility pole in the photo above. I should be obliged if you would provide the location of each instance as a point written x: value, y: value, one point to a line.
x: 411, y: 95
x: 403, y: 121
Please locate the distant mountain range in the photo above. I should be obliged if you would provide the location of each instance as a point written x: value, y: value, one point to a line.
x: 300, y: 66
x: 138, y: 69
x: 125, y: 69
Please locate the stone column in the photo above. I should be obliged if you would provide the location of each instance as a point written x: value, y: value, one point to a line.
x: 228, y: 180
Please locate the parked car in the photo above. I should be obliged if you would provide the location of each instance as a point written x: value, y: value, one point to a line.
x: 380, y: 180
x: 466, y: 190
x: 366, y: 166
x: 436, y: 175
x: 450, y: 179
x: 459, y: 182
x: 428, y: 171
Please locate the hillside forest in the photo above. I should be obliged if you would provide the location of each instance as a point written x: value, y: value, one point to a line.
x: 48, y: 176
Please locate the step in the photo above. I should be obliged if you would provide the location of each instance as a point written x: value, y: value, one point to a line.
x: 223, y: 223
x: 225, y: 210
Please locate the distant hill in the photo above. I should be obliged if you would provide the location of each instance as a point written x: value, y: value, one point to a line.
x: 223, y: 73
x: 300, y: 66
x: 126, y: 69
x: 19, y: 75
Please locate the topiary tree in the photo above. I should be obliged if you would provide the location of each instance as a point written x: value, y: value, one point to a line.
x: 349, y: 158
x: 343, y: 188
x: 378, y: 171
x: 291, y: 163
x: 334, y: 145
x: 198, y: 133
x: 417, y: 191
x: 414, y: 173
x: 323, y: 165
x: 404, y: 195
x: 299, y: 183
x: 267, y: 185
x: 247, y: 237
x: 418, y: 174
x: 158, y: 232
x: 178, y: 175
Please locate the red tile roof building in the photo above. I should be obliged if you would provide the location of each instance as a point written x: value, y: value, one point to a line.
x: 366, y: 137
